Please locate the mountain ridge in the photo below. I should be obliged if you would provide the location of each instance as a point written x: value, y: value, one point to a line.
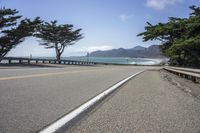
x: 152, y: 51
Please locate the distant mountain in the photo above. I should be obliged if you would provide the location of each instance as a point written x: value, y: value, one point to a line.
x: 136, y: 52
x: 138, y: 48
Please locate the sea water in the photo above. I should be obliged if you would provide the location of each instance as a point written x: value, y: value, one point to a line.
x: 113, y: 60
x: 119, y: 60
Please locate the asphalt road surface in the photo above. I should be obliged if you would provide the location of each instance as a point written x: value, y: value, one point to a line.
x: 32, y: 98
x: 146, y: 104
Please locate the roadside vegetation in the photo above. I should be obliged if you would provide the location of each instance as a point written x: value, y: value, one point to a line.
x: 14, y: 29
x: 180, y: 38
x: 57, y: 36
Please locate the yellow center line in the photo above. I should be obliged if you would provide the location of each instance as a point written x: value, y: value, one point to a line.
x: 44, y: 74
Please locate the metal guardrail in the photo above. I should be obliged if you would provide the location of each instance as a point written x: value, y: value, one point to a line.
x: 11, y: 60
x: 186, y: 69
x: 191, y: 74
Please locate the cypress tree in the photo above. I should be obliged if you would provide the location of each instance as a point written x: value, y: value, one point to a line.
x: 58, y: 36
x: 13, y: 29
x: 180, y: 38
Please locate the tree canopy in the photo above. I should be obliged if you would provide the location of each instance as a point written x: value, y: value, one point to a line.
x: 180, y: 38
x: 58, y: 36
x: 13, y: 29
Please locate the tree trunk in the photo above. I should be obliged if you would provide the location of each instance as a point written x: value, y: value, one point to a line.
x: 58, y: 56
x: 59, y: 52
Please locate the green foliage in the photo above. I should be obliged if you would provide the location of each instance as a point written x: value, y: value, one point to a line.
x: 12, y: 32
x: 180, y: 38
x: 58, y: 36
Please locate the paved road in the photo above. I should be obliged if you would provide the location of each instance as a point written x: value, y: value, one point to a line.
x: 146, y: 104
x: 31, y: 98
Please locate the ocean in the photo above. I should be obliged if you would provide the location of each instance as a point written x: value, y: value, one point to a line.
x: 120, y: 60
x: 113, y: 60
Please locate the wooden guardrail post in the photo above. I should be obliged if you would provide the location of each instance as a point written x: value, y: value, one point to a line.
x: 28, y: 60
x: 194, y: 79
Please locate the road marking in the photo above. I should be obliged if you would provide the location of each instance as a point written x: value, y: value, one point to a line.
x: 44, y: 74
x: 78, y: 111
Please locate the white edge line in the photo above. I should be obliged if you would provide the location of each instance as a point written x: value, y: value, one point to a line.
x: 68, y: 117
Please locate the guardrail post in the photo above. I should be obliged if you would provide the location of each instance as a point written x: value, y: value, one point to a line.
x: 28, y: 61
x: 194, y: 79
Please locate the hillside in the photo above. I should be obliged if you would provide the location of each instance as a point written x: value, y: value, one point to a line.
x: 136, y: 52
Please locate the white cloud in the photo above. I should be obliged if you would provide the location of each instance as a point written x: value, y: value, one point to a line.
x: 124, y: 17
x: 96, y: 48
x: 161, y: 4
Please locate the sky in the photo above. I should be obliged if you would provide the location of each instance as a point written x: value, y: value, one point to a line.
x: 106, y: 24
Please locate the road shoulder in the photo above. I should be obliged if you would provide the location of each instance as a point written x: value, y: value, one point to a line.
x: 148, y: 103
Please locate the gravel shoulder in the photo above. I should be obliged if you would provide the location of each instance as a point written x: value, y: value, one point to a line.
x: 153, y: 102
x: 186, y: 85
